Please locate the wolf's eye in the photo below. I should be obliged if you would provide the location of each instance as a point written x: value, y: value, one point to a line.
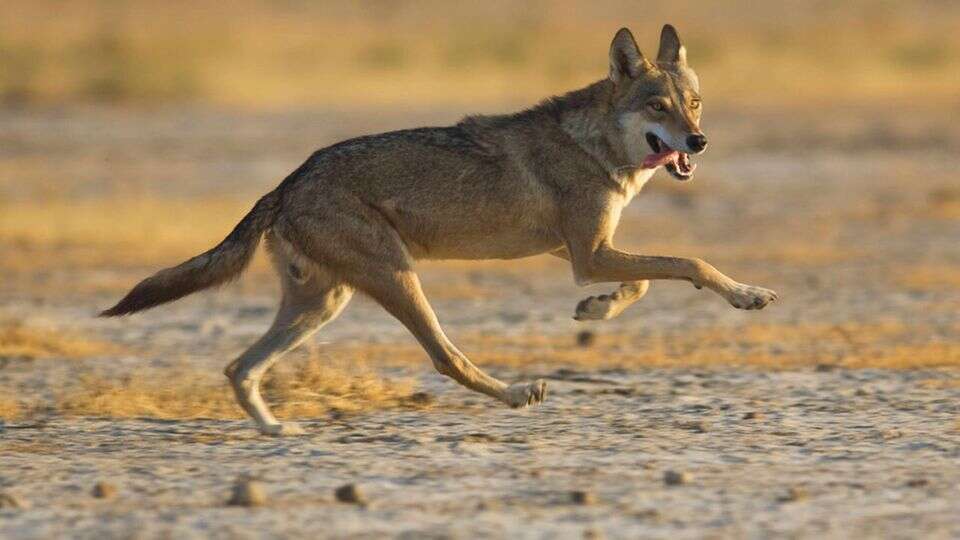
x: 656, y: 105
x: 695, y: 104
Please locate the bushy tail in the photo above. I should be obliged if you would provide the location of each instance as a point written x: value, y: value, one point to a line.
x: 215, y: 267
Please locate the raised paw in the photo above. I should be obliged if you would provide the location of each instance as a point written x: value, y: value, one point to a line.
x: 286, y: 429
x: 750, y: 297
x: 524, y: 394
x: 597, y: 308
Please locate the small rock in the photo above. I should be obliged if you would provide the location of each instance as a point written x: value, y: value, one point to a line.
x: 583, y: 497
x: 918, y: 482
x: 247, y: 492
x: 104, y: 490
x: 421, y: 399
x: 9, y: 500
x: 794, y: 494
x: 488, y: 506
x: 586, y: 338
x: 350, y: 493
x: 889, y: 434
x: 753, y: 415
x: 696, y: 426
x: 676, y: 478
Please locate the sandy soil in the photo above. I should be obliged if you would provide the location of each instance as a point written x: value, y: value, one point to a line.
x: 798, y: 432
x: 816, y: 454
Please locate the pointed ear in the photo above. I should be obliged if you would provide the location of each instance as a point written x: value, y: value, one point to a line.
x: 671, y: 50
x: 626, y: 60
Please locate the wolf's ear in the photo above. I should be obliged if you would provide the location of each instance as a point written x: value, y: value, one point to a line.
x: 626, y: 60
x: 671, y: 50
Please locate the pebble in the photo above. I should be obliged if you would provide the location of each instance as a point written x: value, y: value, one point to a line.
x: 753, y: 415
x: 350, y: 493
x: 586, y: 338
x: 696, y: 426
x: 104, y: 490
x: 247, y: 492
x: 676, y: 478
x: 421, y: 399
x: 794, y: 494
x: 889, y: 434
x: 583, y: 497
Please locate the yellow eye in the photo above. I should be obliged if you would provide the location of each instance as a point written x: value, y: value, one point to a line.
x: 695, y: 104
x: 656, y: 105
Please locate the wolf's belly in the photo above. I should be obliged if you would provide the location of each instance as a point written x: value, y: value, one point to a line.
x: 510, y: 246
x: 474, y: 233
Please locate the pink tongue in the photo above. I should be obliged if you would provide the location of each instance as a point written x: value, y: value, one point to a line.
x: 658, y: 160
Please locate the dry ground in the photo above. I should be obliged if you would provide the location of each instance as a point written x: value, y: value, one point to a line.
x: 830, y: 414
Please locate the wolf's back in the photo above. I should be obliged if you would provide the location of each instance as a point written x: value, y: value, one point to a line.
x: 214, y: 267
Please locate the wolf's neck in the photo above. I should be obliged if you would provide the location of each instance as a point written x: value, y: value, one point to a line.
x: 584, y: 115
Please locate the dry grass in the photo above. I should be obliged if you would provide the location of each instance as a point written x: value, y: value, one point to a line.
x: 113, y: 231
x: 298, y: 388
x: 343, y: 378
x: 890, y: 345
x: 944, y: 202
x: 10, y: 409
x: 106, y: 244
x: 19, y: 341
x: 929, y: 277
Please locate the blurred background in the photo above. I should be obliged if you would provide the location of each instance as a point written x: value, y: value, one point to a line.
x: 134, y: 134
x: 275, y: 55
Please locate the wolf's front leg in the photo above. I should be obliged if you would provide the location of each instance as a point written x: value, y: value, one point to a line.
x: 608, y: 306
x: 608, y: 264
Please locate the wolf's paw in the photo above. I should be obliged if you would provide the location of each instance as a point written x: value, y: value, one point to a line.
x: 524, y: 394
x: 597, y: 308
x: 286, y: 429
x: 750, y: 297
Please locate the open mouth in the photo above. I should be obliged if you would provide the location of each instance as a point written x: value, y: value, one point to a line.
x: 677, y: 163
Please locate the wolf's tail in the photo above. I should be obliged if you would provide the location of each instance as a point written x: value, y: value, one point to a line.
x: 215, y: 267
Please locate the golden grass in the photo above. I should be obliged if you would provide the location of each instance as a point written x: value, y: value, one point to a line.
x: 10, y: 409
x: 52, y: 245
x: 350, y: 377
x: 298, y: 388
x: 889, y: 345
x: 114, y: 230
x: 19, y: 341
x: 929, y: 277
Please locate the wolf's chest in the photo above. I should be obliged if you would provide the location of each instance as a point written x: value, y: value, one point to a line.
x: 633, y: 181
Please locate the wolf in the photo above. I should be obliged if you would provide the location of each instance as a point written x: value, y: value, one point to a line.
x: 554, y: 178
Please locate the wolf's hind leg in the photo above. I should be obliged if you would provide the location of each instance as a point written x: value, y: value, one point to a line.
x: 307, y: 304
x: 608, y: 306
x: 401, y: 295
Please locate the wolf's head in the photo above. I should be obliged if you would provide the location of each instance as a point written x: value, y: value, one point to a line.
x: 657, y: 104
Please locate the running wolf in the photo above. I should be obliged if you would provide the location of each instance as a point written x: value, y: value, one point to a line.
x: 551, y: 179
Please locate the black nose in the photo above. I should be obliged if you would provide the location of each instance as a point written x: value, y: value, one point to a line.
x: 697, y: 142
